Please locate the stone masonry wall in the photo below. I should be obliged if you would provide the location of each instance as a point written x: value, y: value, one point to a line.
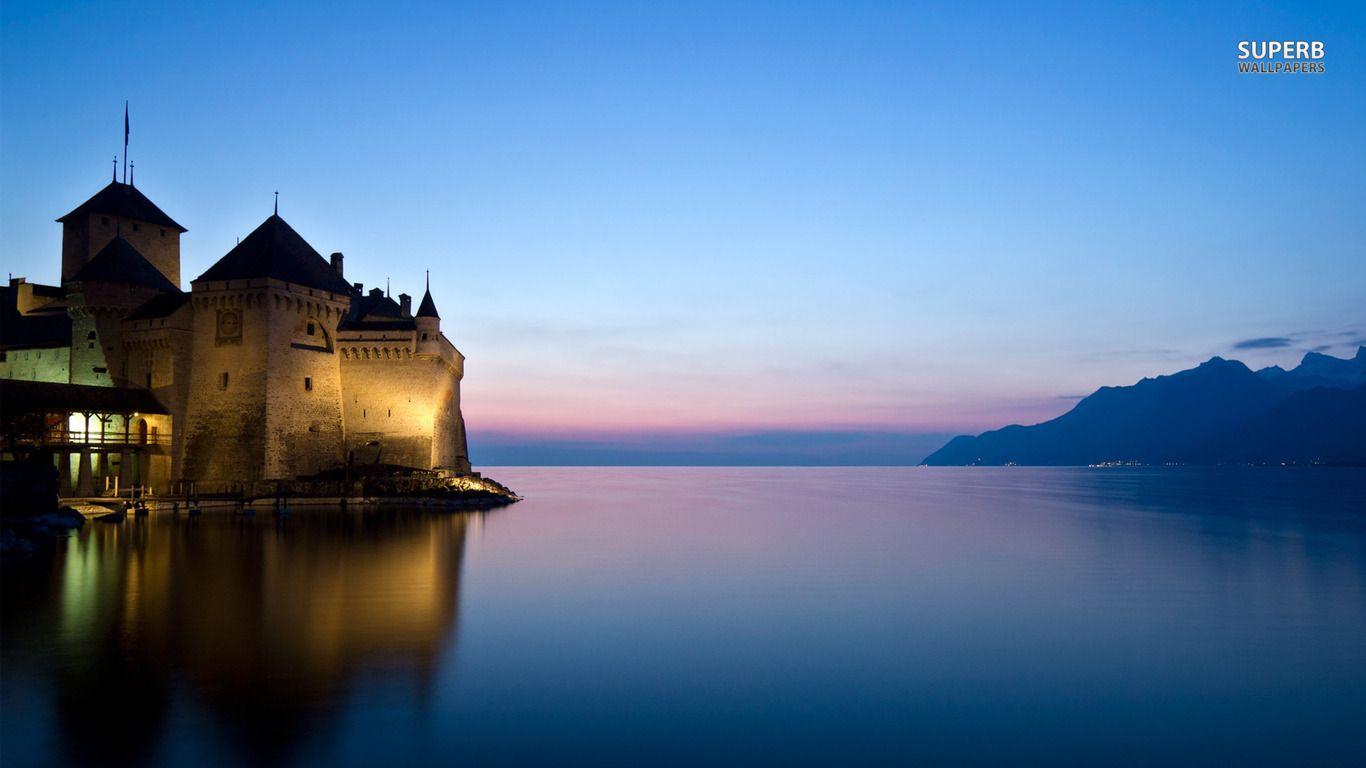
x: 158, y: 356
x: 225, y: 421
x: 303, y: 388
x: 51, y: 365
x: 387, y: 398
x: 97, y: 350
x: 399, y: 393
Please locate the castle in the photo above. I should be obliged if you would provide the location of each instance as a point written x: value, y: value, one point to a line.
x: 272, y: 366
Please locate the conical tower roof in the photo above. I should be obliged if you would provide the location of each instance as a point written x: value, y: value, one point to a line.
x: 126, y: 202
x: 428, y: 307
x: 120, y: 262
x: 275, y: 250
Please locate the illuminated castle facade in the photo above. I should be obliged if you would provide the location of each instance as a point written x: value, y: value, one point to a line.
x: 272, y: 365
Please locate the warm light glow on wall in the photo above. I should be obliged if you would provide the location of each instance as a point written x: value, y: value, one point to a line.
x: 75, y: 426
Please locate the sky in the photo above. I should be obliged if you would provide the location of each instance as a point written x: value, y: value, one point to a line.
x: 696, y: 228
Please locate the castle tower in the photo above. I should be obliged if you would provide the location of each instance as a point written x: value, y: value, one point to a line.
x: 266, y: 386
x: 449, y: 448
x: 120, y: 210
x: 401, y: 384
x: 108, y: 287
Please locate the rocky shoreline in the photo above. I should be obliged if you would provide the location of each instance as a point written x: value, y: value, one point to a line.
x: 375, y: 486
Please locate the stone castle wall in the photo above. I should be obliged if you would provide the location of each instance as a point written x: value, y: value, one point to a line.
x: 389, y: 397
x: 225, y: 419
x: 97, y: 350
x: 158, y: 357
x: 51, y: 365
x: 303, y: 386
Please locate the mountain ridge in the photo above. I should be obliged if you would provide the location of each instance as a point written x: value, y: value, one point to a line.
x: 1218, y: 412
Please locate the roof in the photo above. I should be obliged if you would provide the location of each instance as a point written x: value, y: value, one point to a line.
x: 428, y: 307
x: 275, y: 250
x: 48, y: 330
x: 120, y: 262
x: 124, y: 201
x: 375, y: 312
x: 160, y: 305
x: 31, y: 396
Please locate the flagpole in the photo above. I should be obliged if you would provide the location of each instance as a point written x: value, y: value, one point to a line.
x: 125, y: 141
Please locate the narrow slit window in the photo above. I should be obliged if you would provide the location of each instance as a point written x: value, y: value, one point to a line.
x: 308, y: 383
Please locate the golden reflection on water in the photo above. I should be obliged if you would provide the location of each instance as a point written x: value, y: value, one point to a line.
x: 261, y: 623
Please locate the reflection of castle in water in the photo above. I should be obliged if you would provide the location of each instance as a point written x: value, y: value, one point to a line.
x: 264, y: 627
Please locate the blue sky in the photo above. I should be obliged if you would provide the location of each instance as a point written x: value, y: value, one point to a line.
x: 715, y: 218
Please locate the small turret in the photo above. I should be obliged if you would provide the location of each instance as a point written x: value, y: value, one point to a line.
x: 428, y: 307
x: 427, y: 320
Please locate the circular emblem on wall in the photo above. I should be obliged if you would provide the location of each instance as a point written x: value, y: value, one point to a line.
x: 229, y: 326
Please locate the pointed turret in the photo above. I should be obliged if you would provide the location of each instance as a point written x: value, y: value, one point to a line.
x: 428, y: 307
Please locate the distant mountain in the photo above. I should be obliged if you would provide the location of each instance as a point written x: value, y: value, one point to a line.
x: 1219, y: 412
x: 1318, y: 370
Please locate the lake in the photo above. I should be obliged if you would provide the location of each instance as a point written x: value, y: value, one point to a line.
x: 715, y: 616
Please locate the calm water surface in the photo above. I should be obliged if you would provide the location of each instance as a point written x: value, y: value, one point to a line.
x: 715, y: 616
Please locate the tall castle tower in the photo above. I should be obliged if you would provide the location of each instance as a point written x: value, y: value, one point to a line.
x: 120, y: 210
x: 266, y: 386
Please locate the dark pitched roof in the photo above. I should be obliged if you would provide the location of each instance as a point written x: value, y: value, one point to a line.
x: 375, y: 312
x: 428, y: 307
x: 275, y: 250
x: 36, y: 331
x: 120, y: 262
x: 19, y: 397
x: 124, y: 201
x: 160, y: 305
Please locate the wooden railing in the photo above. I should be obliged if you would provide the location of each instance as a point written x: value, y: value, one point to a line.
x: 77, y: 438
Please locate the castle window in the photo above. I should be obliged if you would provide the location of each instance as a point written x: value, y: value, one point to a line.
x: 135, y: 226
x: 310, y: 329
x: 223, y: 380
x: 3, y: 355
x: 149, y: 379
x: 163, y: 233
x: 308, y: 383
x: 104, y: 220
x: 391, y: 413
x: 90, y: 335
x: 424, y: 337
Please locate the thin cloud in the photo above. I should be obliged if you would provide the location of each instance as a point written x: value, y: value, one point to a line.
x: 1265, y: 342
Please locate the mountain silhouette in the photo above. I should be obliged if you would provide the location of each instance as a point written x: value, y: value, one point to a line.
x: 1219, y: 412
